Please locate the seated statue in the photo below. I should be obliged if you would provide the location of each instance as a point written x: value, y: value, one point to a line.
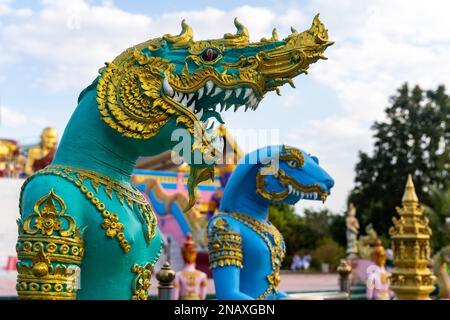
x: 245, y: 250
x: 190, y: 283
x: 9, y: 158
x: 366, y: 243
x: 378, y: 279
x: 84, y: 231
x: 42, y: 155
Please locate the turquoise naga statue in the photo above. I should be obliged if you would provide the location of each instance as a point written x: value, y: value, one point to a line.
x: 84, y: 231
x: 245, y: 249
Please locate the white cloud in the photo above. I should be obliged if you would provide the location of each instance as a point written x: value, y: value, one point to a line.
x: 379, y: 45
x: 5, y: 7
x: 333, y: 141
x: 13, y: 121
x: 73, y: 41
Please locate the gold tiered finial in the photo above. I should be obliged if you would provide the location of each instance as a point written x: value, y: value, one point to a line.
x: 411, y: 278
x: 410, y: 196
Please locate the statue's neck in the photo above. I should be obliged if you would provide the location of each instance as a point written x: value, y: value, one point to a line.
x: 249, y: 202
x: 189, y: 267
x: 88, y: 143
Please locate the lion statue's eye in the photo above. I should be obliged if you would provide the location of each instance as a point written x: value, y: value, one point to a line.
x: 292, y: 163
x: 210, y: 54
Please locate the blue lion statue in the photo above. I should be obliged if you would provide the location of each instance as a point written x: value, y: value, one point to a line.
x: 245, y: 250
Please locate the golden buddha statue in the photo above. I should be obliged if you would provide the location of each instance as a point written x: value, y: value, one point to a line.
x: 9, y: 153
x: 42, y: 155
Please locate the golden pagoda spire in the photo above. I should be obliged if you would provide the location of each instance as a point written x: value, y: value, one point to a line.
x: 410, y: 196
x: 411, y: 278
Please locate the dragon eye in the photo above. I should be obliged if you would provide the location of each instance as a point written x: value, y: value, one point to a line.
x: 292, y: 163
x: 209, y: 54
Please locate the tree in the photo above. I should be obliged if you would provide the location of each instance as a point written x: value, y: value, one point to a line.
x: 414, y: 138
x: 438, y: 212
x: 304, y: 233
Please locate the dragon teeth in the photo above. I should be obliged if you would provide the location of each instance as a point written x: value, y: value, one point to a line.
x: 200, y: 93
x: 227, y: 94
x: 238, y: 92
x: 248, y: 92
x: 228, y: 106
x: 190, y: 96
x: 216, y: 92
x: 209, y: 86
x: 184, y: 100
x: 167, y: 87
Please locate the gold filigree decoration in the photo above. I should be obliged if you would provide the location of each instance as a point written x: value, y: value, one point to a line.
x: 127, y: 92
x: 292, y: 154
x: 198, y: 47
x: 285, y: 180
x: 48, y: 237
x: 274, y: 241
x: 224, y: 245
x: 142, y: 281
x: 133, y: 198
x: 130, y: 101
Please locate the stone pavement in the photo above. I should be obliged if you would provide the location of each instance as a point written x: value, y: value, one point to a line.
x: 290, y: 282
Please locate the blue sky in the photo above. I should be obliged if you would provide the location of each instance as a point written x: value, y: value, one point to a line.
x: 50, y: 50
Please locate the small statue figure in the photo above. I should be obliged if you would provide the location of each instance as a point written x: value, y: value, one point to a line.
x: 352, y: 232
x: 190, y: 283
x: 366, y: 243
x: 378, y: 280
x: 42, y: 155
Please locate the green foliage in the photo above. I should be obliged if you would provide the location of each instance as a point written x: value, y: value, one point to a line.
x: 438, y: 212
x: 304, y: 233
x: 414, y: 138
x: 328, y: 251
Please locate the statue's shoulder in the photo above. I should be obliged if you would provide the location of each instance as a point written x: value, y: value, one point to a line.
x: 51, y: 191
x: 34, y: 150
x: 223, y: 222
